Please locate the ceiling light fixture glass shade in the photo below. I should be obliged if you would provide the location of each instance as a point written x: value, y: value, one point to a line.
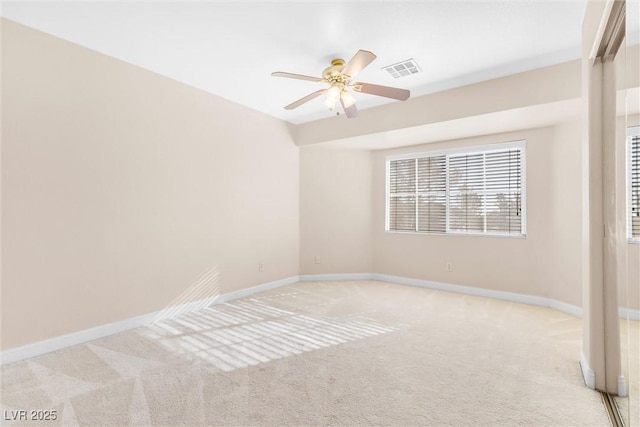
x: 333, y: 96
x: 333, y: 93
x: 330, y: 103
x: 347, y: 99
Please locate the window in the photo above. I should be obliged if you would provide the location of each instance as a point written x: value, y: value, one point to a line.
x: 472, y: 191
x: 633, y: 182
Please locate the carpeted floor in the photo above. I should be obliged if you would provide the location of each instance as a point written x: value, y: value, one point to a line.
x: 323, y: 353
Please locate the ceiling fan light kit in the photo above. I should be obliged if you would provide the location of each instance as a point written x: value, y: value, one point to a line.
x: 339, y: 78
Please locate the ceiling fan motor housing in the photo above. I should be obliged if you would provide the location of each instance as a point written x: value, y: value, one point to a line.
x: 333, y: 74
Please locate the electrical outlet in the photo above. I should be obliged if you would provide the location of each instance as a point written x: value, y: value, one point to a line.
x: 317, y: 260
x: 449, y: 266
x: 260, y: 266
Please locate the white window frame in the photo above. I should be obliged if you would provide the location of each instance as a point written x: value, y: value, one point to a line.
x: 501, y: 146
x: 631, y: 131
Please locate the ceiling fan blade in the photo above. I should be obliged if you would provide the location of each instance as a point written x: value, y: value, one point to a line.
x: 386, y: 91
x: 350, y: 111
x: 307, y: 98
x: 360, y: 60
x: 296, y: 76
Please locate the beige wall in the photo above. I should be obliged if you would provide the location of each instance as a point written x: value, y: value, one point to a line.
x: 546, y: 263
x: 335, y: 211
x: 121, y: 187
x: 565, y: 213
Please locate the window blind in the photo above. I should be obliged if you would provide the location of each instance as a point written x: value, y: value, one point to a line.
x: 466, y: 192
x: 432, y: 194
x: 402, y: 195
x: 457, y: 192
x: 634, y: 186
x: 503, y: 191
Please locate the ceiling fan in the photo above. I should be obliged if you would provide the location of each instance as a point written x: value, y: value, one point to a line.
x: 338, y: 76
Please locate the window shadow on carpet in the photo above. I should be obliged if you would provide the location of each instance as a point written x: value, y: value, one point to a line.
x: 249, y: 332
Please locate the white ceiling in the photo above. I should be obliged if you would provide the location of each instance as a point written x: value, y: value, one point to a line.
x: 230, y: 49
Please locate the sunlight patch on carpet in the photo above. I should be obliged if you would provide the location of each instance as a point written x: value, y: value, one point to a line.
x: 245, y: 333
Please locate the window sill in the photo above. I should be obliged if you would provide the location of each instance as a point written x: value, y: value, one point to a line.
x: 633, y: 240
x: 489, y: 235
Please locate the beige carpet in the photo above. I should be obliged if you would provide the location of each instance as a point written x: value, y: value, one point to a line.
x: 324, y: 353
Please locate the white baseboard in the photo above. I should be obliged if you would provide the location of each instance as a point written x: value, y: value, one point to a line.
x: 242, y: 293
x: 588, y: 375
x: 487, y: 293
x: 80, y: 337
x: 466, y: 290
x: 622, y: 386
x: 57, y: 343
x: 334, y: 277
x: 563, y: 307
